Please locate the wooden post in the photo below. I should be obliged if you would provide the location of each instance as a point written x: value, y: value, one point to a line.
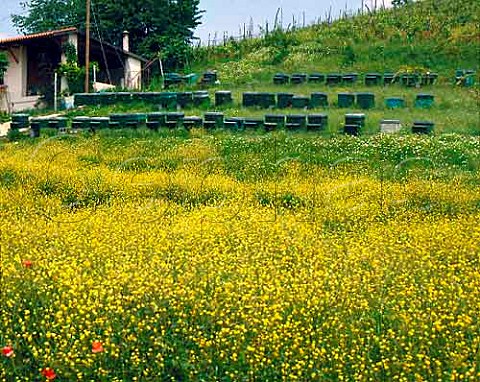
x: 87, y: 48
x: 55, y: 92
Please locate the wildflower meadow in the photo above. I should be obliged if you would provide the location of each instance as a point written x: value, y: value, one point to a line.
x: 229, y: 257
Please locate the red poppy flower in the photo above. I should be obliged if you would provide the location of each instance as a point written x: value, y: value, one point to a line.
x: 27, y: 263
x: 49, y: 374
x: 7, y: 351
x: 97, y: 347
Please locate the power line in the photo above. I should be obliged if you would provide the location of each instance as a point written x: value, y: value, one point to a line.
x: 101, y: 43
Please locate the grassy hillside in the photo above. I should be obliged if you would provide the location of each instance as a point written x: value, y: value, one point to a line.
x: 430, y: 34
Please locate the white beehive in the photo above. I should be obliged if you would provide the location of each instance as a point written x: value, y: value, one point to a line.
x: 390, y: 126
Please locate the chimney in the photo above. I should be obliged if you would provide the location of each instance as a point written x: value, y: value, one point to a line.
x: 126, y: 41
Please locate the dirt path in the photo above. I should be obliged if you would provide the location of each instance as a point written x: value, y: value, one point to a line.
x: 4, y: 127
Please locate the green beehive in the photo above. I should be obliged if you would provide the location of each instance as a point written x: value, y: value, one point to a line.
x: 106, y: 98
x: 284, y: 100
x: 81, y: 123
x: 185, y: 99
x: 156, y: 120
x: 62, y: 122
x: 172, y: 79
x: 355, y: 119
x: 20, y: 121
x: 138, y: 97
x: 155, y: 98
x: 253, y: 123
x: 214, y: 120
x: 274, y: 121
x: 373, y: 79
x: 351, y: 130
x: 135, y: 120
x: 35, y: 129
x: 209, y: 78
x: 250, y: 99
x: 14, y: 126
x: 102, y: 122
x: 346, y: 100
x: 298, y: 78
x: 281, y: 79
x: 317, y: 121
x: 52, y: 123
x: 201, y: 99
x: 424, y: 101
x: 388, y: 78
x: 333, y: 79
x: 316, y: 78
x: 410, y: 79
x: 118, y: 120
x: 235, y: 123
x: 190, y: 79
x: 300, y: 102
x: 366, y: 100
x: 223, y: 98
x: 174, y: 120
x: 354, y: 124
x: 124, y: 98
x: 128, y: 120
x: 168, y: 100
x: 465, y: 77
x: 350, y: 78
x: 394, y: 102
x: 81, y: 99
x: 296, y: 122
x: 266, y: 100
x: 422, y: 127
x: 429, y: 78
x: 192, y: 122
x: 469, y: 78
x: 318, y: 100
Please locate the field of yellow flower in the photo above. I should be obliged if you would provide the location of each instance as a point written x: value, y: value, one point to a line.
x: 240, y: 258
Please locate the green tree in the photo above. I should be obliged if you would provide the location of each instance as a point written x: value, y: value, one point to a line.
x: 44, y: 15
x: 156, y: 26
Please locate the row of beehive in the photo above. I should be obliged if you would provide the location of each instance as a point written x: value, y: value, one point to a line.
x: 370, y: 79
x: 224, y: 98
x: 354, y: 123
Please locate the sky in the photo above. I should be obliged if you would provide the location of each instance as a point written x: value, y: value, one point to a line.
x: 230, y: 15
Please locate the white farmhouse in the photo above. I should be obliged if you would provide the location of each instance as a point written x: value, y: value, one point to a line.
x: 34, y: 58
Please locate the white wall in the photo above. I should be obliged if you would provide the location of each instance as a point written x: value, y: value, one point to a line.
x: 16, y: 80
x: 16, y: 75
x: 133, y: 73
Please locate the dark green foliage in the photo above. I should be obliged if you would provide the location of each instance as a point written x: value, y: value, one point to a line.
x: 71, y: 71
x: 3, y: 65
x: 44, y: 15
x: 349, y: 56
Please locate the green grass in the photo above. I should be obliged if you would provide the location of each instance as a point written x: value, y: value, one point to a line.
x: 455, y: 109
x: 439, y: 35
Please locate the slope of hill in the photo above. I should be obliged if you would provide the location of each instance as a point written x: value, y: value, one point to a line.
x: 430, y: 34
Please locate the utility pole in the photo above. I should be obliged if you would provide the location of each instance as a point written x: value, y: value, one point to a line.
x: 87, y: 49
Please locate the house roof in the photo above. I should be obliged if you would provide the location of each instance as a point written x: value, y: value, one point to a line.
x: 54, y: 33
x: 61, y: 32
